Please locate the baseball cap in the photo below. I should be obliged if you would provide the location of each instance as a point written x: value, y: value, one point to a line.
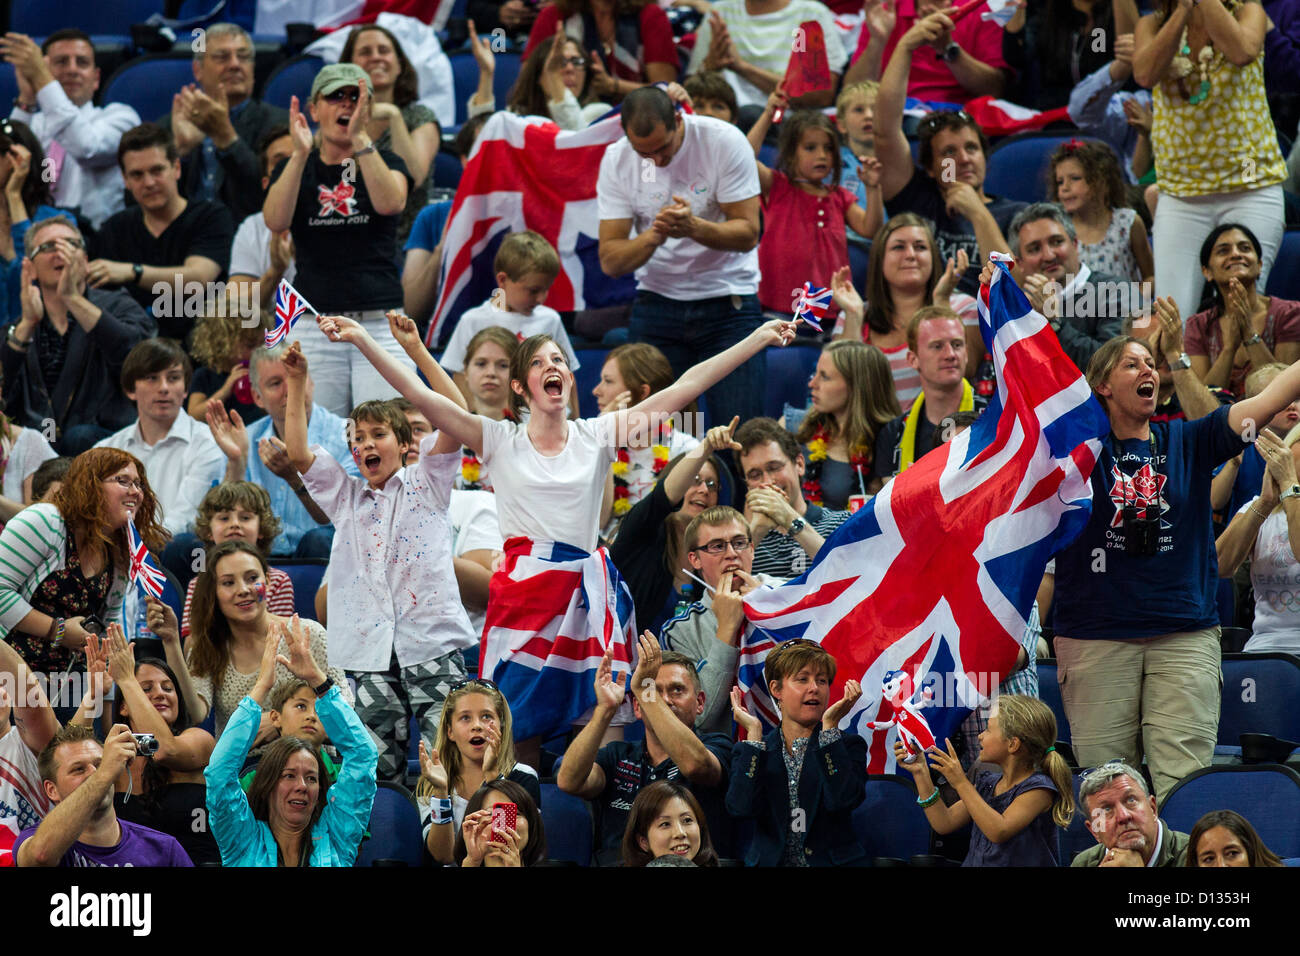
x: 336, y: 76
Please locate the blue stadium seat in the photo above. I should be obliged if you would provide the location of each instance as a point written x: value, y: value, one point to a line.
x: 394, y: 829
x: 507, y: 70
x: 1284, y: 277
x: 148, y: 83
x: 1259, y: 697
x: 568, y: 826
x: 292, y: 78
x: 8, y: 83
x: 1077, y: 837
x: 38, y: 18
x: 788, y: 371
x: 888, y: 822
x: 590, y: 362
x: 767, y: 154
x: 1017, y: 166
x: 860, y: 265
x: 1049, y: 691
x: 446, y: 170
x: 1268, y: 795
x: 306, y: 574
x: 464, y: 78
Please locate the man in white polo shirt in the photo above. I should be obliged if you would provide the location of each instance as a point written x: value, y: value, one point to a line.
x: 181, y: 459
x: 689, y: 185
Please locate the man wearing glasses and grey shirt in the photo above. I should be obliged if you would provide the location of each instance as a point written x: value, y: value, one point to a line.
x: 719, y: 549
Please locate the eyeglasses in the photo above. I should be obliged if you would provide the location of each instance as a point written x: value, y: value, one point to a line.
x: 943, y: 119
x: 53, y: 244
x: 349, y: 93
x: 481, y: 681
x: 772, y: 468
x: 577, y: 62
x: 226, y: 56
x: 126, y: 483
x: 708, y: 483
x: 738, y: 544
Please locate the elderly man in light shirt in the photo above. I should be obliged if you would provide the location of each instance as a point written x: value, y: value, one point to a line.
x: 56, y: 83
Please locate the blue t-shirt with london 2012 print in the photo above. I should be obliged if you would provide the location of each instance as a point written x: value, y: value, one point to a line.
x: 1102, y: 592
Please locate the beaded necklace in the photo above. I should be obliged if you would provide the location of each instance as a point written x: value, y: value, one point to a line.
x: 859, y: 458
x: 623, y: 462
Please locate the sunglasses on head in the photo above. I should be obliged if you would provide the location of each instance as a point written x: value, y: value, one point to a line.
x: 350, y: 94
x: 943, y: 119
x: 481, y: 681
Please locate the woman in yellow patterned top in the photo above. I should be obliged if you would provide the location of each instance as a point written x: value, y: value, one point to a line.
x: 1215, y: 147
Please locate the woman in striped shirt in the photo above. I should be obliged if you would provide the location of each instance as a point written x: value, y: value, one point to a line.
x: 63, y: 561
x: 905, y: 274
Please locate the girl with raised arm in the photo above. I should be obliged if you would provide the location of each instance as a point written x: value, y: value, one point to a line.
x: 549, y: 474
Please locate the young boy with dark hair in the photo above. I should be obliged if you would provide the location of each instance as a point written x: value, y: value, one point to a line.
x: 807, y: 755
x: 391, y: 580
x: 712, y: 95
x: 526, y: 266
x: 179, y: 454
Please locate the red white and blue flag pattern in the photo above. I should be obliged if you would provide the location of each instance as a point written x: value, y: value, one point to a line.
x: 552, y: 611
x: 527, y: 173
x: 811, y: 304
x: 289, y: 307
x: 143, y: 571
x: 935, y: 577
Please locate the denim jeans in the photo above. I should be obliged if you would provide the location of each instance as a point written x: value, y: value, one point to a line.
x: 690, y: 332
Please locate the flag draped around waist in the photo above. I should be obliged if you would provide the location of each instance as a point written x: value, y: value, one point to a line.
x: 553, y: 610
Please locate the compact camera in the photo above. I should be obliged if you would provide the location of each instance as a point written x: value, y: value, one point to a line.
x: 1141, y: 535
x: 146, y: 745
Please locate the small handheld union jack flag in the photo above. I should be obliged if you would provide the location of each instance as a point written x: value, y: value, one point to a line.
x: 289, y: 306
x: 143, y: 571
x: 811, y: 304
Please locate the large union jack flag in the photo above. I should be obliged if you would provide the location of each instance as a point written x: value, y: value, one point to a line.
x: 143, y: 571
x: 527, y: 173
x: 928, y: 587
x: 289, y: 307
x: 552, y: 612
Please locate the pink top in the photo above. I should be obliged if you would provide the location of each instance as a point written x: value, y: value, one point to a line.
x: 803, y: 241
x: 1202, y: 336
x: 279, y: 598
x: 930, y: 78
x: 907, y: 380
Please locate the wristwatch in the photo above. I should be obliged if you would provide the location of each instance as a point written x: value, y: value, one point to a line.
x: 138, y: 270
x: 323, y: 688
x: 797, y: 525
x: 1292, y: 492
x: 1180, y: 363
x: 1253, y: 340
x: 951, y: 53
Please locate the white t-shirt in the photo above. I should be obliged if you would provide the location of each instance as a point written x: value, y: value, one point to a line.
x: 474, y: 527
x: 543, y: 320
x: 250, y: 253
x: 23, y: 802
x: 550, y: 499
x: 30, y: 451
x: 714, y: 165
x: 1275, y: 576
x: 765, y: 40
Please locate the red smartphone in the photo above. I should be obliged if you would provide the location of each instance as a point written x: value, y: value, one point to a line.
x: 504, y: 816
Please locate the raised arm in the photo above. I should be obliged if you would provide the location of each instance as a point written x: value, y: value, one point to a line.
x: 65, y: 823
x: 32, y: 711
x: 891, y: 145
x: 442, y: 412
x: 679, y: 479
x: 295, y: 413
x: 579, y: 774
x: 162, y: 621
x: 695, y: 761
x: 408, y: 337
x: 706, y: 374
x: 282, y: 197
x: 188, y: 751
x: 1196, y: 400
x: 1154, y: 46
x: 386, y: 187
x: 1256, y: 412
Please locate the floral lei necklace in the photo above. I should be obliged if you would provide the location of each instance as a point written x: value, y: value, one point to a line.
x: 859, y: 458
x: 622, y: 493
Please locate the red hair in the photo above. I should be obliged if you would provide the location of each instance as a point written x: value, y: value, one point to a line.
x: 80, y: 501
